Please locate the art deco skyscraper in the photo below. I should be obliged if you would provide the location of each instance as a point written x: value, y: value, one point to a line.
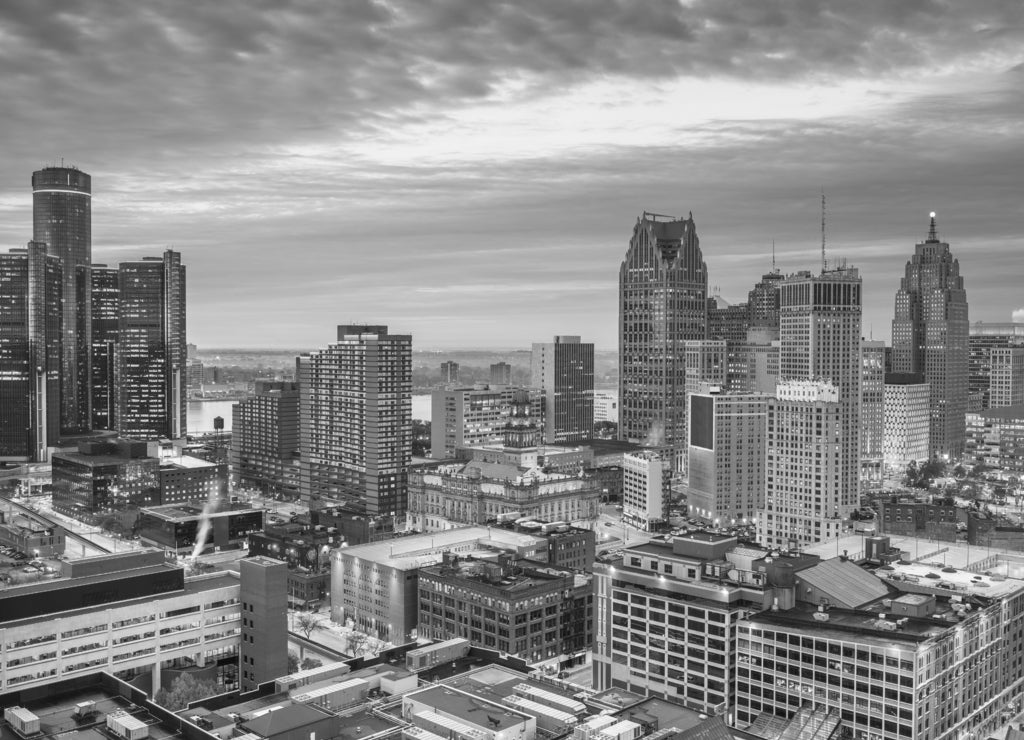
x: 663, y: 287
x: 30, y: 342
x: 818, y: 417
x: 62, y: 219
x: 930, y: 337
x: 355, y: 420
x: 150, y: 369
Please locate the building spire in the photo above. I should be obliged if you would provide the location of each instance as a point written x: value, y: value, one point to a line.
x: 932, y: 235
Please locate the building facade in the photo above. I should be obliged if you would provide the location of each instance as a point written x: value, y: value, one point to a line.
x: 150, y: 376
x: 187, y: 529
x: 929, y: 337
x: 30, y: 353
x: 1006, y: 383
x: 872, y: 413
x: 983, y: 337
x: 449, y: 372
x: 62, y: 220
x: 646, y: 481
x: 265, y: 436
x: 105, y: 298
x: 663, y: 287
x: 501, y: 373
x: 103, y: 476
x: 907, y: 421
x: 563, y: 370
x: 726, y: 451
x: 467, y: 417
x: 995, y: 437
x: 355, y: 419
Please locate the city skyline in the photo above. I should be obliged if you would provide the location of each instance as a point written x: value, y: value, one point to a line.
x: 411, y: 165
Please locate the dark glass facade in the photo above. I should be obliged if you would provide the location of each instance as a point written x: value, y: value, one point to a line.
x: 89, y: 484
x: 181, y: 532
x: 150, y: 375
x: 30, y: 335
x: 62, y: 219
x: 105, y: 298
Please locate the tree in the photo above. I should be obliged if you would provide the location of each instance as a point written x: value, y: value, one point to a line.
x: 307, y: 624
x: 293, y: 663
x: 356, y: 641
x: 310, y: 663
x: 184, y: 690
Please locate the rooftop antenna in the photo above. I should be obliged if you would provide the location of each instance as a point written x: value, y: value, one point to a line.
x: 773, y: 256
x: 824, y: 264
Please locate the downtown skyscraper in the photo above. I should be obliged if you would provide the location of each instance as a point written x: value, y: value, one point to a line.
x: 663, y: 286
x: 150, y: 354
x: 30, y: 358
x: 814, y: 423
x: 930, y: 337
x: 355, y: 411
x: 563, y: 370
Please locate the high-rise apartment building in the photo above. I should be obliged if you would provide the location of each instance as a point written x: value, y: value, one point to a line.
x: 726, y: 457
x: 929, y: 337
x: 105, y: 312
x: 449, y: 372
x: 150, y: 375
x: 62, y: 220
x: 907, y: 421
x: 265, y: 436
x: 663, y: 286
x: 355, y: 419
x: 872, y: 412
x: 1006, y: 383
x: 501, y: 373
x: 30, y: 359
x: 466, y: 417
x: 815, y: 423
x: 564, y: 372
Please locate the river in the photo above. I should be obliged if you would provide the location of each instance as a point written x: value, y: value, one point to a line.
x: 202, y: 413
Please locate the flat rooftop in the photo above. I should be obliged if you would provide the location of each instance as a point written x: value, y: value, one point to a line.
x: 467, y: 708
x: 843, y: 622
x: 186, y: 512
x: 187, y: 461
x: 407, y: 553
x: 949, y: 579
x: 494, y: 683
x: 664, y: 714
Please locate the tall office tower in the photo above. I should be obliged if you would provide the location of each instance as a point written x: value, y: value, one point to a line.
x: 907, y: 421
x: 355, y: 420
x: 983, y: 338
x: 1006, y: 382
x: 265, y: 436
x: 449, y: 372
x: 467, y: 417
x: 62, y: 219
x: 872, y: 412
x: 929, y: 336
x: 809, y: 489
x: 763, y: 302
x: 753, y: 366
x: 501, y: 373
x: 706, y: 363
x: 726, y: 321
x: 663, y: 286
x: 30, y: 358
x: 819, y: 334
x: 150, y: 375
x: 106, y: 300
x: 564, y: 372
x: 726, y: 456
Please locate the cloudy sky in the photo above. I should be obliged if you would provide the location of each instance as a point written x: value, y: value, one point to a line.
x: 470, y: 171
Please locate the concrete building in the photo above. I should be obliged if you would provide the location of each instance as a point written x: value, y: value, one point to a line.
x: 355, y: 417
x: 982, y: 338
x: 727, y: 448
x: 524, y: 608
x: 820, y: 337
x: 62, y: 221
x: 563, y: 370
x: 663, y: 288
x: 182, y: 528
x: 28, y: 533
x: 1006, y: 383
x: 467, y: 417
x: 501, y: 373
x: 265, y: 437
x: 753, y: 365
x: 449, y: 372
x: 185, y: 479
x: 606, y: 407
x: 376, y: 585
x: 305, y: 550
x: 131, y: 614
x: 995, y: 437
x: 727, y: 321
x: 263, y: 652
x: 706, y: 364
x: 150, y: 376
x: 31, y: 285
x: 763, y: 301
x: 929, y: 337
x: 930, y: 517
x: 809, y: 494
x: 667, y: 613
x: 646, y: 480
x: 907, y: 421
x: 872, y: 413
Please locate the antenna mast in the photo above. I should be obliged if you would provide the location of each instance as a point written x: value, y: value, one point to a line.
x: 773, y: 255
x: 824, y: 264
